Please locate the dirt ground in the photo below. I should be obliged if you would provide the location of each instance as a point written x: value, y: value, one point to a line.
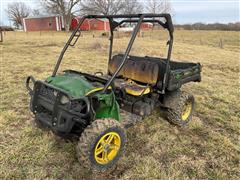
x: 207, y: 148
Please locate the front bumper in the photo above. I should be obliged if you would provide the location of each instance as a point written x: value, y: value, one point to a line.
x: 47, y: 106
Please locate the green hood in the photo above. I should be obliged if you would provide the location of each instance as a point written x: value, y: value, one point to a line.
x: 75, y: 85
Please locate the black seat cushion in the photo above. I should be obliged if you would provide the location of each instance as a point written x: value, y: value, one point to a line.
x: 141, y: 69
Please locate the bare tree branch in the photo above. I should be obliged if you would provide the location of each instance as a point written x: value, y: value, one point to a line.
x: 158, y: 6
x: 105, y: 7
x: 132, y: 7
x: 35, y: 12
x: 63, y: 8
x: 17, y: 11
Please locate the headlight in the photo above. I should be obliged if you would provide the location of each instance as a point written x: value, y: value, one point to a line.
x: 64, y: 100
x: 55, y: 93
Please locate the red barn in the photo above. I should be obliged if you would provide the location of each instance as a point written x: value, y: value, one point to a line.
x: 43, y: 23
x: 145, y: 26
x: 84, y: 27
x: 91, y: 24
x: 99, y: 24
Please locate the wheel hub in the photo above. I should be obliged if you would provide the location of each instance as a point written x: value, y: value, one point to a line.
x: 187, y: 109
x: 107, y: 148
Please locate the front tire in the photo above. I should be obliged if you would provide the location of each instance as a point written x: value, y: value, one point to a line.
x: 180, y: 107
x: 101, y: 144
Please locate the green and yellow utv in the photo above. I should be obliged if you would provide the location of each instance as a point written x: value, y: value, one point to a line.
x: 98, y: 107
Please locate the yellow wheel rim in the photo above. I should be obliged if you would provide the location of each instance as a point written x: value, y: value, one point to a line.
x: 187, y: 109
x: 107, y: 148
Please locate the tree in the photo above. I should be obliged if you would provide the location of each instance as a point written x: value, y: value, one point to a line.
x: 158, y: 6
x: 36, y: 12
x: 65, y: 8
x: 16, y: 12
x: 132, y: 7
x: 104, y: 7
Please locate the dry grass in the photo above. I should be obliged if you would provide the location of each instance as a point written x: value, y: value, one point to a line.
x: 207, y: 148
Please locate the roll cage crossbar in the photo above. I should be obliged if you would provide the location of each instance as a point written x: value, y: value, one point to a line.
x: 165, y: 22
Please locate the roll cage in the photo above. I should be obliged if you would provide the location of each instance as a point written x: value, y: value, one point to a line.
x: 165, y: 21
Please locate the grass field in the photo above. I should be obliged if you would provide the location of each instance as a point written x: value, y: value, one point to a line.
x: 208, y: 148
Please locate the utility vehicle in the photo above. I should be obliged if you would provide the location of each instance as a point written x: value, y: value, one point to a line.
x: 93, y: 106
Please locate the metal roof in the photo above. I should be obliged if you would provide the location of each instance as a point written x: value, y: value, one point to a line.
x: 42, y: 16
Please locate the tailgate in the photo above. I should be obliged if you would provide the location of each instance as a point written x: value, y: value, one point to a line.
x: 184, y: 75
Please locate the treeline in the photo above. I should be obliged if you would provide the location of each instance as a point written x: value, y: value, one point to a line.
x: 215, y: 26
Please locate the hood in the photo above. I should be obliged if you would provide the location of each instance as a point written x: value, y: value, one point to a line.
x: 75, y: 85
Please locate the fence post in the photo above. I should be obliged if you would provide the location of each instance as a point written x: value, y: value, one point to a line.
x: 221, y: 43
x: 1, y: 35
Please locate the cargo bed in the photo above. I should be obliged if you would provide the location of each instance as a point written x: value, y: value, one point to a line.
x: 179, y: 74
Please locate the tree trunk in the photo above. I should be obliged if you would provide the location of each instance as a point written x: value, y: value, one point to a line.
x: 67, y: 27
x: 67, y: 21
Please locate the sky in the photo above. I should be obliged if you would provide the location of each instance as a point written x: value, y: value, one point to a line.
x: 184, y: 11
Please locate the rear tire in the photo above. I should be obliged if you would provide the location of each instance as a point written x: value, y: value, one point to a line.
x: 180, y: 106
x: 101, y: 145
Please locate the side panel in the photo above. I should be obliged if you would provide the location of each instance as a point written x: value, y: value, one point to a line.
x: 108, y: 107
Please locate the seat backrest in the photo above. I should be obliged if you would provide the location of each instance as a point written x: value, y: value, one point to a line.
x: 140, y: 70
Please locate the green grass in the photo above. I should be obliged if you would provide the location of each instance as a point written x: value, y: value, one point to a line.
x: 208, y: 148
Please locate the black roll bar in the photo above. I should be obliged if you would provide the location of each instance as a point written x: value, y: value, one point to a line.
x: 135, y: 21
x: 168, y: 68
x: 66, y: 47
x: 137, y: 18
x: 111, y: 38
x: 126, y: 53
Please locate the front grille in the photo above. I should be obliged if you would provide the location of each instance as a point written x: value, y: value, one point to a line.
x: 48, y: 93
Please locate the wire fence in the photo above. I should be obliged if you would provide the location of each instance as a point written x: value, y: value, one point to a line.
x: 223, y: 40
